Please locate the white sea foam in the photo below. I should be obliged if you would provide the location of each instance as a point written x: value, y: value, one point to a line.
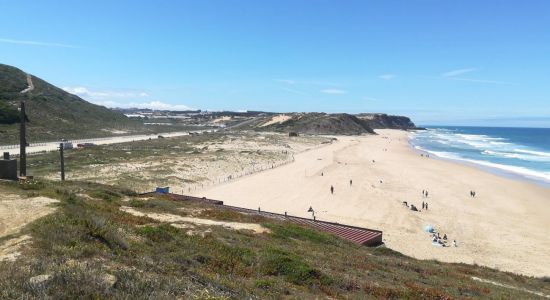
x: 511, y: 169
x: 525, y: 157
x: 472, y: 148
x: 538, y: 153
x: 514, y: 169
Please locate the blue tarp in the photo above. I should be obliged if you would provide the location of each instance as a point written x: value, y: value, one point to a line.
x: 162, y: 190
x: 429, y: 228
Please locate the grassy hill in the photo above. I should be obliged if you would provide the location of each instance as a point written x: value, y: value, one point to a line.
x: 92, y: 248
x: 316, y: 123
x: 53, y: 113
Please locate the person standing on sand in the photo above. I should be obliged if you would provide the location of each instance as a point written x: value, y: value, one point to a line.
x: 331, y: 189
x: 426, y: 205
x: 423, y: 205
x: 426, y: 194
x: 350, y: 182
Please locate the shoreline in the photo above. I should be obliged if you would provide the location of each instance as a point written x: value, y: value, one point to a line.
x: 493, y: 170
x: 503, y: 228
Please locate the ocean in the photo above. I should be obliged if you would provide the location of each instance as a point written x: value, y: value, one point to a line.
x: 513, y: 152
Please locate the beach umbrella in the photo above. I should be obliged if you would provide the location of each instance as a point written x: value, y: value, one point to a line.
x: 429, y: 228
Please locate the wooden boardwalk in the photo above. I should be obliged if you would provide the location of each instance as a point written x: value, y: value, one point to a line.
x: 358, y: 235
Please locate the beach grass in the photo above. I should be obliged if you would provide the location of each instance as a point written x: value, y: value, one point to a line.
x: 92, y: 249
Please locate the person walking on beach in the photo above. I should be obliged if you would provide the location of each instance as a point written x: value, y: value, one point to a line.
x: 331, y: 189
x: 473, y: 194
x: 350, y: 182
x: 423, y: 193
x: 423, y: 205
x: 426, y: 205
x: 426, y: 194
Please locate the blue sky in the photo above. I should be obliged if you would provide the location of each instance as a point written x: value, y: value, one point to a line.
x: 465, y: 62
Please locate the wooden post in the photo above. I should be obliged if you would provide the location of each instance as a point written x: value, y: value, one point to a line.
x: 23, y: 141
x: 62, y: 162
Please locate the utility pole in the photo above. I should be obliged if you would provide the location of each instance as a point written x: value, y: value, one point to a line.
x: 62, y: 162
x: 23, y: 141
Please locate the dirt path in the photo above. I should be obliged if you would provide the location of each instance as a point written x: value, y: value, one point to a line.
x: 15, y: 213
x: 31, y: 85
x: 176, y: 220
x: 510, y: 287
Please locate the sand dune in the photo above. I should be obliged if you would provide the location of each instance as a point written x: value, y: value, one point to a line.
x: 505, y: 226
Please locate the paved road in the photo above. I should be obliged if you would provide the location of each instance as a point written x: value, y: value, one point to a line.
x: 53, y: 146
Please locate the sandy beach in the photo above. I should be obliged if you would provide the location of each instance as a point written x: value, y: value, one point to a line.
x: 505, y: 226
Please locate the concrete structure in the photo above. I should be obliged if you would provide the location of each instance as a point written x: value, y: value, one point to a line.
x: 8, y: 167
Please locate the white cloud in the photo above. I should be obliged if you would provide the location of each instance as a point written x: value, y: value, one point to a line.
x: 387, y: 76
x: 333, y: 91
x: 89, y: 94
x: 372, y: 99
x: 457, y: 72
x: 158, y: 105
x: 483, y: 81
x: 105, y: 98
x: 36, y: 43
x: 453, y: 75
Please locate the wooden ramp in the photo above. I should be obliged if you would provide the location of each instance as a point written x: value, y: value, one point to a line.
x: 358, y: 235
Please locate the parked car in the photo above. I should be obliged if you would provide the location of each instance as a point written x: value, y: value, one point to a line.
x: 85, y: 145
x: 67, y: 145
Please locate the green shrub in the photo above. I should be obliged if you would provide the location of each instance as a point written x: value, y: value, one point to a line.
x: 105, y: 195
x: 8, y: 113
x: 264, y: 283
x: 158, y: 234
x: 31, y: 184
x: 293, y: 268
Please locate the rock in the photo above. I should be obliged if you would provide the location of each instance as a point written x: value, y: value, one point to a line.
x: 40, y: 279
x: 108, y: 280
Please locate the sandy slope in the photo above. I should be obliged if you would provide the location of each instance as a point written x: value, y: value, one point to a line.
x: 16, y: 212
x: 506, y: 226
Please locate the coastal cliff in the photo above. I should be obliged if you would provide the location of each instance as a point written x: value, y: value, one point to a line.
x: 385, y: 121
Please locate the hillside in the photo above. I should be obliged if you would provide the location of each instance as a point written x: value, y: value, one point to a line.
x: 384, y: 121
x: 315, y: 123
x: 106, y: 242
x: 53, y: 113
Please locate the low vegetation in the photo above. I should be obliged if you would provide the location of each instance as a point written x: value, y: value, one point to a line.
x: 89, y: 248
x: 178, y: 162
x: 8, y: 114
